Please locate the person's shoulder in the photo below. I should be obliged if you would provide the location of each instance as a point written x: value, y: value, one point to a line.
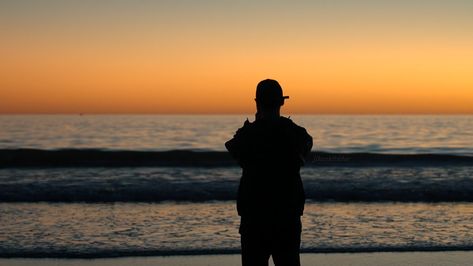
x: 293, y: 126
x: 288, y: 122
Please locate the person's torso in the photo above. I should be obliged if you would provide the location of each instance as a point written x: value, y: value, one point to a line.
x: 271, y: 182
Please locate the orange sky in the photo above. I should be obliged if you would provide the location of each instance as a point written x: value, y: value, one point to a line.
x: 173, y: 57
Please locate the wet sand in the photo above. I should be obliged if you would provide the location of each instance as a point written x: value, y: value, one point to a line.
x: 446, y: 258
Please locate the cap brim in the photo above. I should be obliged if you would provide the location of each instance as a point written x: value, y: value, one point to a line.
x: 285, y: 97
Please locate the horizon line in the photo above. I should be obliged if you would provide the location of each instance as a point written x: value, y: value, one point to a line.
x: 203, y: 113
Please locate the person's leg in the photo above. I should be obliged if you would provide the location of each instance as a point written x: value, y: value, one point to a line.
x: 254, y: 245
x: 286, y: 244
x: 254, y: 251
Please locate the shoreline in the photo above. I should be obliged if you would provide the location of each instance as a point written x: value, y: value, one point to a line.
x: 114, y: 254
x: 444, y: 258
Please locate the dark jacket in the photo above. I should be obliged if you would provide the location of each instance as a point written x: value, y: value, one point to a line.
x: 270, y: 152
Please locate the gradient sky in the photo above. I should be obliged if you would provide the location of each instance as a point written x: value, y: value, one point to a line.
x: 207, y: 56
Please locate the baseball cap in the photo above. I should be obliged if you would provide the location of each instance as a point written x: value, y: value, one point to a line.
x: 269, y: 92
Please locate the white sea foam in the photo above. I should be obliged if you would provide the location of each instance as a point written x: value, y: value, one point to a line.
x: 142, y: 184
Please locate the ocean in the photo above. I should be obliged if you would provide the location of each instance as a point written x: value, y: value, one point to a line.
x: 130, y: 185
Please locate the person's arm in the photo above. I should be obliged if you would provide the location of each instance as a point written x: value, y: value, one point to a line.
x: 235, y: 146
x: 306, y: 144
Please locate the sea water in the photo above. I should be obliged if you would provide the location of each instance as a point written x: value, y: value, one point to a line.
x: 77, y: 210
x: 332, y: 133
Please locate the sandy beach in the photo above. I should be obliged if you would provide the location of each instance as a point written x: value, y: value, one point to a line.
x: 341, y: 259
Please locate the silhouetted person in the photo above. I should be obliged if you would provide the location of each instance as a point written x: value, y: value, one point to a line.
x: 271, y: 197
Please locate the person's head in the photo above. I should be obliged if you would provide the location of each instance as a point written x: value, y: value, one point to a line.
x: 269, y: 95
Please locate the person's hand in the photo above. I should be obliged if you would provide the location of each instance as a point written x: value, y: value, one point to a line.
x: 258, y: 116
